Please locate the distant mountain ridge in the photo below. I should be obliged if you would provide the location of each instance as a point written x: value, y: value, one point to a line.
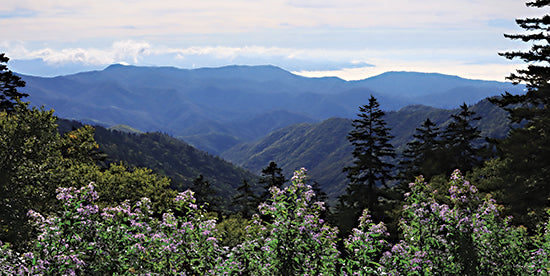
x: 215, y: 109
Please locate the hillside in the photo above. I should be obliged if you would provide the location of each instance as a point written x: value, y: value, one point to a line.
x: 216, y: 108
x: 168, y: 156
x: 324, y: 150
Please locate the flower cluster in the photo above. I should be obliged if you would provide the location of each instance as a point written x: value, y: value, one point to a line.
x: 85, y: 239
x: 364, y: 246
x: 291, y: 239
x: 466, y: 236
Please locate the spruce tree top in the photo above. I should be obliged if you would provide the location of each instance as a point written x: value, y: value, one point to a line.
x: 9, y: 83
x: 371, y: 141
x: 533, y: 105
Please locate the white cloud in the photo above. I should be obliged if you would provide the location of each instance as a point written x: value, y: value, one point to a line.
x: 120, y: 51
x: 135, y: 51
x: 314, y: 62
x: 489, y: 71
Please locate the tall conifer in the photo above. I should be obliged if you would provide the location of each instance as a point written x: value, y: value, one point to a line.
x: 458, y: 141
x: 527, y: 147
x: 371, y: 168
x: 271, y: 175
x: 246, y: 200
x: 419, y: 156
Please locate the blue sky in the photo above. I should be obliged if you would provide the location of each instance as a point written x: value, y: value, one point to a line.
x: 351, y: 39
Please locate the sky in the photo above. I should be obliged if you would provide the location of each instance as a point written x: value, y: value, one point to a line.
x: 350, y: 39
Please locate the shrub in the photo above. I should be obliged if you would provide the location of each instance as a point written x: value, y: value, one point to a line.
x: 466, y: 236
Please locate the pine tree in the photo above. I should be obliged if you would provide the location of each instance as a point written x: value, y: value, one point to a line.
x: 527, y: 146
x: 371, y: 168
x: 459, y: 139
x: 204, y: 193
x: 9, y: 83
x: 271, y: 176
x: 419, y: 156
x: 246, y: 200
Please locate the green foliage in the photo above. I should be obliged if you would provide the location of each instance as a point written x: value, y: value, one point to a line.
x: 86, y: 239
x: 285, y: 246
x: 232, y: 230
x: 35, y: 159
x: 364, y: 247
x: 31, y: 155
x: 539, y: 261
x: 119, y: 183
x: 467, y: 236
x: 169, y: 157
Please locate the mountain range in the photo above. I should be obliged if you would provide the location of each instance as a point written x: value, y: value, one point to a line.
x: 251, y: 116
x: 215, y: 109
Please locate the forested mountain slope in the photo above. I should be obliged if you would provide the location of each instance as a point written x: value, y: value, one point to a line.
x: 168, y: 156
x: 324, y: 149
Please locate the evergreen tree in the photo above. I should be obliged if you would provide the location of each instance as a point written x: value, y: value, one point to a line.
x: 371, y: 168
x: 271, y: 176
x: 458, y: 142
x: 204, y: 193
x: 9, y: 83
x: 527, y: 145
x: 246, y: 200
x: 419, y: 156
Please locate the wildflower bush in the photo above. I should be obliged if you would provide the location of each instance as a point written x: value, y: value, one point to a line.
x: 88, y: 240
x: 467, y: 237
x: 293, y: 239
x: 464, y: 236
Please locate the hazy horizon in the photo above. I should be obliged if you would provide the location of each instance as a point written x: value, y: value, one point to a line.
x: 350, y: 39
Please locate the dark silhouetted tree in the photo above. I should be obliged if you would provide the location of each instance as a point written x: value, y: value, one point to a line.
x: 204, y: 193
x: 526, y: 149
x: 419, y: 156
x: 458, y: 143
x: 246, y: 200
x: 371, y: 167
x: 320, y: 195
x: 271, y: 176
x: 9, y: 83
